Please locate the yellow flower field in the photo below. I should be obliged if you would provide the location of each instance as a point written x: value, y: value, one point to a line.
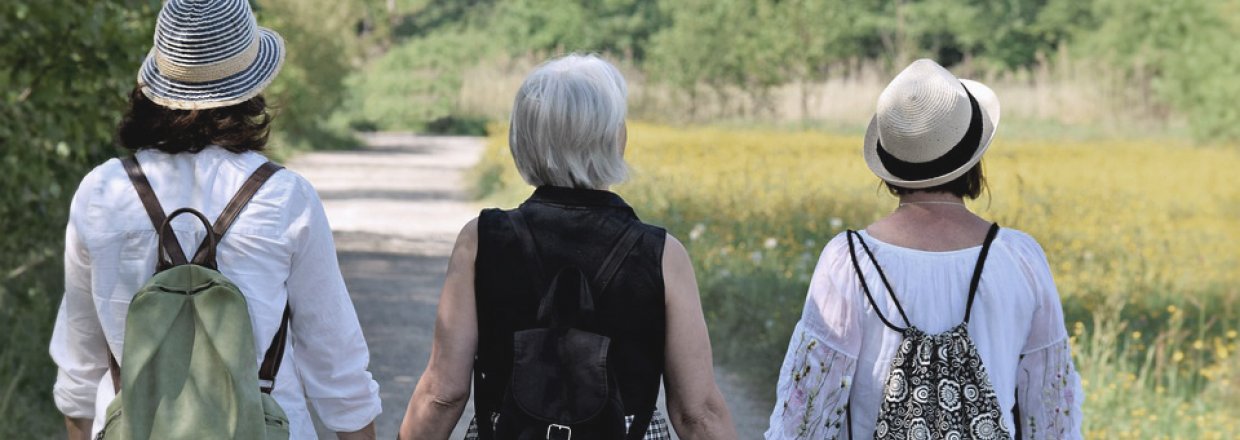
x: 1143, y: 239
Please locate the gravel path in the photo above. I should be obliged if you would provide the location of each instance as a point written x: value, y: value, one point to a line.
x: 396, y: 207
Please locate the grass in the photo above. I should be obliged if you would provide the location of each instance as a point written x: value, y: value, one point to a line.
x: 1141, y: 237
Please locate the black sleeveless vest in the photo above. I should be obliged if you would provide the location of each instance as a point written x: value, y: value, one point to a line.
x: 571, y: 227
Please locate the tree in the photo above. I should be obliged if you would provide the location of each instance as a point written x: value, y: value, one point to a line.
x: 323, y: 46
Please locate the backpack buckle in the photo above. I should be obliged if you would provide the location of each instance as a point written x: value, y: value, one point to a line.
x: 568, y: 432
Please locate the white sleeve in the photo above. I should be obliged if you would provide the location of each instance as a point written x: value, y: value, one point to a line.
x: 330, y: 353
x: 812, y: 394
x: 1049, y: 394
x: 1048, y: 387
x: 78, y: 346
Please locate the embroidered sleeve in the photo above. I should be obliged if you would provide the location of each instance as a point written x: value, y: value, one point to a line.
x: 812, y: 394
x: 1049, y: 394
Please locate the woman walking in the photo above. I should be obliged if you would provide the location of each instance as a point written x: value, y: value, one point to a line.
x: 570, y: 274
x: 932, y: 322
x: 196, y: 125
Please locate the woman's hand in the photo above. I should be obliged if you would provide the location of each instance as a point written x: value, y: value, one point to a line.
x: 78, y: 429
x: 441, y: 393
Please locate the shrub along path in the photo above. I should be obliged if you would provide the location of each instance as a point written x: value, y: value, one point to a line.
x: 396, y: 207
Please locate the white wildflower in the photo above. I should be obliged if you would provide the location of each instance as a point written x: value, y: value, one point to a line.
x: 697, y: 231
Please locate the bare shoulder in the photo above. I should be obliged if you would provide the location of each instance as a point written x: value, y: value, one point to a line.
x: 467, y: 239
x: 675, y: 256
x: 679, y: 282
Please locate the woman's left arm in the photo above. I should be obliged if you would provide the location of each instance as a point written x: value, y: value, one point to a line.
x: 1048, y: 387
x: 441, y: 393
x: 331, y: 353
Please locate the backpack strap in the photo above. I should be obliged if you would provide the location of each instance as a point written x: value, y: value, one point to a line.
x: 275, y: 351
x: 852, y: 251
x: 641, y: 424
x: 146, y: 194
x: 234, y: 207
x: 977, y: 270
x: 114, y: 369
x: 275, y: 354
x: 615, y: 258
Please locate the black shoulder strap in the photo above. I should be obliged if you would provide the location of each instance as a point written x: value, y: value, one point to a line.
x: 977, y: 270
x: 641, y: 424
x: 153, y: 209
x: 852, y: 251
x: 615, y: 258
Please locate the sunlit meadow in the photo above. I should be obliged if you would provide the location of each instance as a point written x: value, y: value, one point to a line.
x: 1143, y: 239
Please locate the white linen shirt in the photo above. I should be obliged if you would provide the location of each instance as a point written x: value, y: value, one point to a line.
x: 840, y: 353
x: 279, y: 249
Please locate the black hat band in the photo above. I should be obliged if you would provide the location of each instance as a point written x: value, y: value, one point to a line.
x: 948, y: 162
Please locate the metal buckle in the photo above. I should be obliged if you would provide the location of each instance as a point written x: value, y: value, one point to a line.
x: 558, y: 428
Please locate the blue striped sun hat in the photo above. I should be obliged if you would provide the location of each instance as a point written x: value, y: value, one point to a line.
x: 209, y: 54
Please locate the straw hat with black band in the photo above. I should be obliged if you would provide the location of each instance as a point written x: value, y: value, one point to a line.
x: 930, y: 127
x: 209, y: 54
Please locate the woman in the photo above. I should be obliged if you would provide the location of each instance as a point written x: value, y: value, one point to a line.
x: 567, y: 137
x: 929, y: 272
x: 197, y: 124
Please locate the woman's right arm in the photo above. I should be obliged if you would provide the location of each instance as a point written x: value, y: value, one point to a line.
x: 443, y: 390
x: 78, y: 346
x: 694, y: 403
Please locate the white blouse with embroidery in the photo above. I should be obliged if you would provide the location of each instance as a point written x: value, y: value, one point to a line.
x: 840, y: 352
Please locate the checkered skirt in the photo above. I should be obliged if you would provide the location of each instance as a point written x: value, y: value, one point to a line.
x: 658, y: 429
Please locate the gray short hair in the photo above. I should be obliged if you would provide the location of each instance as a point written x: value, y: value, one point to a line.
x: 566, y: 124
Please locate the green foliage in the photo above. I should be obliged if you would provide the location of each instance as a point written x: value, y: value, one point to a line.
x: 323, y: 46
x: 416, y: 83
x: 620, y: 27
x: 1188, y: 49
x: 66, y: 68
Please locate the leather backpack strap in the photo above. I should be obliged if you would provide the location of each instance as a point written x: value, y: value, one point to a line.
x: 275, y: 354
x: 114, y: 369
x: 615, y: 258
x: 234, y: 207
x: 153, y: 209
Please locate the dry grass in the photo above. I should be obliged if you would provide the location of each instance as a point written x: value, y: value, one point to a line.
x: 1064, y: 94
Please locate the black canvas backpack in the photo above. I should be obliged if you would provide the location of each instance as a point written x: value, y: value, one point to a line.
x: 562, y: 385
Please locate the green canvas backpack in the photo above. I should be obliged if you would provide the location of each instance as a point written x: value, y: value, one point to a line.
x: 189, y: 344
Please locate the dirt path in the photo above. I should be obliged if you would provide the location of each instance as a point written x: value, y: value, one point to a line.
x: 396, y: 207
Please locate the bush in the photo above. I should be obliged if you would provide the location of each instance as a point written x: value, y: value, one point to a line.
x: 64, y: 74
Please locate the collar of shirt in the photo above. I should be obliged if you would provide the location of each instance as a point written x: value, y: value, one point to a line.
x: 558, y: 195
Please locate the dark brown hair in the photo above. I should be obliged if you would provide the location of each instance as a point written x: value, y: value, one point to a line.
x: 969, y: 185
x: 237, y: 128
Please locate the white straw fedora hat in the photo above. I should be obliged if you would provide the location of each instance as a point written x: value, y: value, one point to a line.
x: 930, y: 127
x: 209, y: 54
